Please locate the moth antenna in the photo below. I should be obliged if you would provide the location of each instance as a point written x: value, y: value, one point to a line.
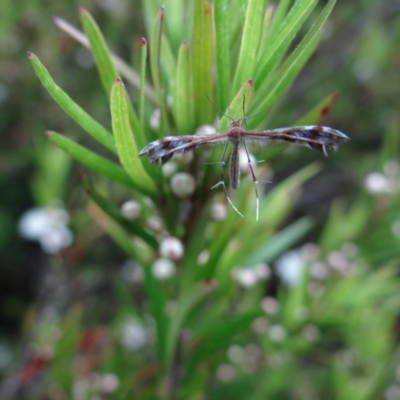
x: 215, y: 106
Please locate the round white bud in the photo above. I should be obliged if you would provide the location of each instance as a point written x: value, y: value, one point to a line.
x: 171, y: 248
x: 183, y: 184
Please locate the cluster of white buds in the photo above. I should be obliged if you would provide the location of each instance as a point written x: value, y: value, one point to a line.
x: 48, y: 226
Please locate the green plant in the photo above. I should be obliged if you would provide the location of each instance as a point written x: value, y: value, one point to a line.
x: 209, y: 312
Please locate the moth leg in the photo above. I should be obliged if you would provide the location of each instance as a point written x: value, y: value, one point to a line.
x: 254, y: 180
x: 222, y: 181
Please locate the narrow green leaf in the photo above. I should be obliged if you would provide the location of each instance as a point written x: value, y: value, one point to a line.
x: 344, y: 224
x: 124, y: 298
x: 53, y: 169
x: 218, y: 338
x: 266, y: 29
x: 83, y: 119
x: 197, y: 242
x: 150, y: 11
x: 168, y: 66
x: 280, y: 43
x: 110, y: 209
x: 126, y: 143
x: 107, y: 70
x: 278, y: 14
x: 157, y: 302
x: 390, y: 147
x: 239, y: 105
x: 253, y: 235
x: 280, y: 242
x: 105, y: 66
x: 95, y: 162
x: 252, y: 33
x: 175, y: 23
x: 218, y: 246
x: 155, y: 66
x: 279, y: 200
x: 143, y: 59
x: 202, y: 62
x: 123, y: 68
x: 223, y: 88
x: 186, y: 303
x: 182, y: 104
x: 142, y: 135
x: 118, y: 234
x: 293, y: 64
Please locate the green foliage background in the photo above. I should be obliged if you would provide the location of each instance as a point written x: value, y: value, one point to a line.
x: 62, y: 316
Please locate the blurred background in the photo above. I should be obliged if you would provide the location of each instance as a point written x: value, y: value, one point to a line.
x: 43, y: 289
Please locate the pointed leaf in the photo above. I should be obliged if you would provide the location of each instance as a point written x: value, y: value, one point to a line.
x: 126, y: 144
x: 123, y: 68
x: 280, y: 242
x: 183, y: 93
x: 95, y: 162
x: 278, y: 45
x: 319, y: 111
x: 252, y: 32
x: 292, y: 65
x: 224, y: 87
x: 143, y: 60
x: 218, y: 337
x: 202, y: 62
x: 105, y: 66
x: 90, y: 125
x: 158, y: 302
x: 186, y: 303
x: 155, y: 66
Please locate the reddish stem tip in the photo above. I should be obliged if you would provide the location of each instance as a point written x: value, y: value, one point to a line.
x: 184, y: 43
x: 29, y: 54
x: 250, y: 82
x: 118, y: 80
x: 48, y: 133
x: 325, y: 110
x: 82, y: 10
x: 144, y: 41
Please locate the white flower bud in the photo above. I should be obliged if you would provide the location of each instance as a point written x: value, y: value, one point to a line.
x: 171, y: 248
x: 246, y: 277
x: 277, y: 333
x: 218, y: 211
x: 133, y: 335
x: 203, y: 257
x: 155, y: 223
x: 169, y: 168
x: 109, y: 383
x: 131, y: 209
x: 270, y: 305
x: 163, y: 268
x: 378, y: 183
x: 183, y: 184
x: 155, y: 119
x: 225, y: 373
